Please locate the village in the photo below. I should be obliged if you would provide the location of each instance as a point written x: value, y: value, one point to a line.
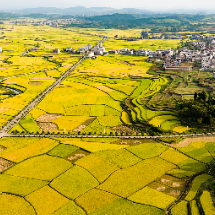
x: 51, y: 23
x: 200, y: 51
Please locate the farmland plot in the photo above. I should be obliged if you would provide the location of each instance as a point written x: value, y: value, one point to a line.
x: 126, y: 178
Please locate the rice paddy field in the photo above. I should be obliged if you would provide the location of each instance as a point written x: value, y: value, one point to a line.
x: 120, y: 43
x: 108, y: 32
x: 151, y: 44
x: 18, y: 38
x: 110, y: 95
x: 24, y: 75
x: 102, y: 176
x: 90, y: 100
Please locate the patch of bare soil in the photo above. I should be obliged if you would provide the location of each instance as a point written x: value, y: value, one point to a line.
x: 3, y: 109
x: 161, y: 189
x: 4, y: 68
x: 131, y: 142
x: 127, y: 63
x: 123, y: 129
x: 5, y: 164
x: 2, y: 148
x: 79, y: 128
x: 172, y: 182
x: 77, y: 155
x: 65, y: 86
x: 188, y: 141
x: 47, y: 117
x: 43, y: 79
x: 36, y: 83
x: 165, y: 189
x: 84, y: 125
x: 47, y: 126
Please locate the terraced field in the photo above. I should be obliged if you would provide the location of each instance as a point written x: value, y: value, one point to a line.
x: 92, y: 97
x: 90, y: 100
x: 59, y: 176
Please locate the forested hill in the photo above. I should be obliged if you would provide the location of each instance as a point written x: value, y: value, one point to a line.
x: 158, y: 23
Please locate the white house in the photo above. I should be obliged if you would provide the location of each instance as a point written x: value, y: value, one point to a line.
x: 124, y: 50
x: 56, y: 50
x: 100, y: 44
x: 151, y: 53
x: 96, y: 48
x: 177, y: 63
x: 89, y: 46
x: 99, y: 52
x: 102, y: 49
x: 90, y: 54
x: 68, y: 49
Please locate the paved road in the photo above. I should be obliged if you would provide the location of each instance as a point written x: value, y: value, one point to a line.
x: 103, y: 136
x: 34, y: 103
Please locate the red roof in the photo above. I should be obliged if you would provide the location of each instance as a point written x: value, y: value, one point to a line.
x: 178, y: 67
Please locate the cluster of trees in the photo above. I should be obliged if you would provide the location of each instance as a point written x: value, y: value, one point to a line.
x: 157, y: 23
x: 7, y: 61
x: 6, y: 16
x: 197, y: 64
x: 199, y: 110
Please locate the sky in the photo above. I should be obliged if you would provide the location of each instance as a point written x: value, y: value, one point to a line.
x: 142, y: 4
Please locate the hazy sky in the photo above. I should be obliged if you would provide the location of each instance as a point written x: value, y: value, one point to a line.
x: 143, y: 4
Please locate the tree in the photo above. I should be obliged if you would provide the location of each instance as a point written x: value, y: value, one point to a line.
x: 210, y: 99
x: 195, y: 96
x: 37, y: 45
x: 197, y: 64
x: 211, y: 120
x: 200, y: 120
x: 204, y: 96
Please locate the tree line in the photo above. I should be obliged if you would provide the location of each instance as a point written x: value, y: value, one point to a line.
x: 200, y: 110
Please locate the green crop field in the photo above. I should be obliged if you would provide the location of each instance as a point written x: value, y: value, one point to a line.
x: 142, y: 44
x: 207, y: 203
x: 15, y: 66
x: 59, y: 175
x: 196, y: 185
x: 97, y: 88
x: 111, y: 95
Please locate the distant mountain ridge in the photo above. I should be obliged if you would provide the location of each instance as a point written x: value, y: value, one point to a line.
x: 83, y: 11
